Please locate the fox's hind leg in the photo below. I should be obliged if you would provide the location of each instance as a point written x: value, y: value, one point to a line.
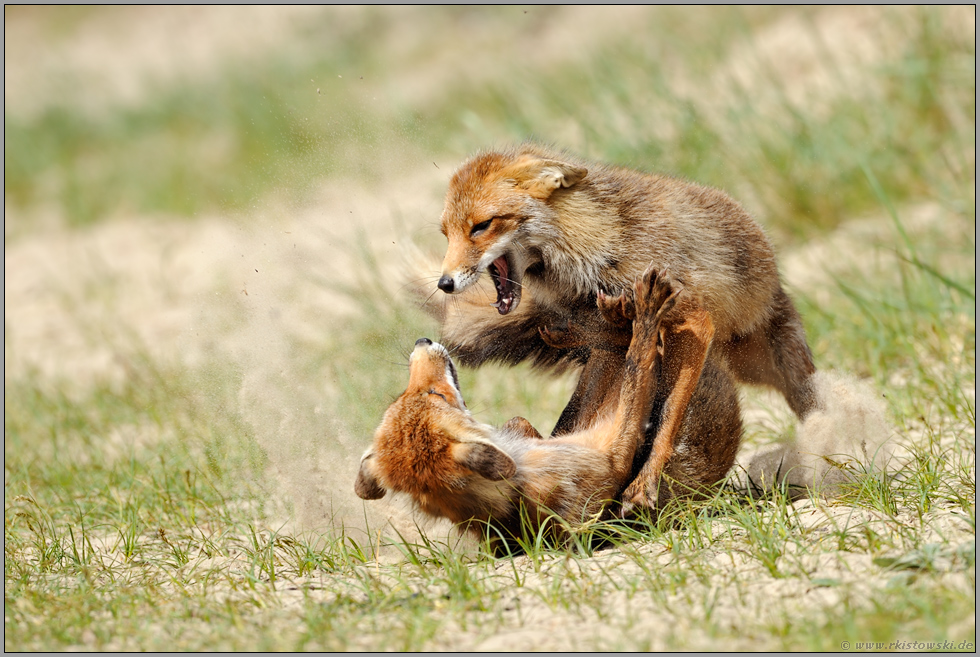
x: 686, y: 334
x: 776, y: 354
x: 654, y: 296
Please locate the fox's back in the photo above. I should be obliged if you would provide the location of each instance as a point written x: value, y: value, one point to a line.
x: 701, y: 234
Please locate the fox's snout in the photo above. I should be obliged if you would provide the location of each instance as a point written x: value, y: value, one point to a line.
x: 432, y: 371
x: 447, y: 284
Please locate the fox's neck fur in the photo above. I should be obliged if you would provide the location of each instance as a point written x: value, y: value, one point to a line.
x: 578, y: 248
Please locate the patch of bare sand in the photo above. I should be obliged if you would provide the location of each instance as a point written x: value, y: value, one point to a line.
x: 178, y: 289
x: 479, y: 44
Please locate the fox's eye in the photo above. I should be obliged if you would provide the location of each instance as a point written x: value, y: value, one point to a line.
x: 433, y: 392
x: 480, y: 227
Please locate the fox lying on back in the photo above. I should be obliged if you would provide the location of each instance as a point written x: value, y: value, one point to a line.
x: 429, y: 446
x: 554, y: 231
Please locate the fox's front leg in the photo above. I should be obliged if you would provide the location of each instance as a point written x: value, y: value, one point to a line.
x: 607, y: 334
x: 687, y: 333
x: 654, y: 296
x: 597, y: 385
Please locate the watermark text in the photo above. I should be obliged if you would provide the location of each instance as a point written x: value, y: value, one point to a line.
x: 907, y: 645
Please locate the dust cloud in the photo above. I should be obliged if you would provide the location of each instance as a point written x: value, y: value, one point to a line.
x: 291, y: 311
x: 261, y: 299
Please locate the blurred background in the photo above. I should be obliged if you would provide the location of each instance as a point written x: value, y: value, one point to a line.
x: 208, y: 213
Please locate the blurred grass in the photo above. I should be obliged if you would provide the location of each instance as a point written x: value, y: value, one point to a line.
x: 155, y: 449
x: 224, y: 143
x: 217, y: 147
x: 919, y: 320
x: 216, y: 144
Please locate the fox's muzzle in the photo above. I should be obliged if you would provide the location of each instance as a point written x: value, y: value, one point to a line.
x: 447, y: 284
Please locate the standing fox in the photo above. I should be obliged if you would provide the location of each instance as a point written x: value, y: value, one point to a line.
x: 502, y: 480
x: 554, y: 232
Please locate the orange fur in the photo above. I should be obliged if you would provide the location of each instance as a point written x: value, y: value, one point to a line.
x: 554, y: 232
x: 430, y: 447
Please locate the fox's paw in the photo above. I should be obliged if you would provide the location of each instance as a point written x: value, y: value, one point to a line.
x: 618, y: 310
x: 561, y: 336
x: 656, y: 293
x: 638, y: 496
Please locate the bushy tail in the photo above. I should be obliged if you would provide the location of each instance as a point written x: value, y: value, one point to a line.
x: 845, y: 437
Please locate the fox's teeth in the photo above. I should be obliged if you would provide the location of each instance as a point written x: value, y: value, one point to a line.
x: 499, y: 272
x: 505, y: 305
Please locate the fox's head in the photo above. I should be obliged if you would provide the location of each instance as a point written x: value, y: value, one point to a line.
x: 428, y: 443
x: 496, y: 215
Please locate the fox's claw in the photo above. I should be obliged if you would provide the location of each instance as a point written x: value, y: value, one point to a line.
x: 560, y: 336
x: 618, y: 310
x: 656, y: 293
x: 653, y: 294
x: 634, y: 498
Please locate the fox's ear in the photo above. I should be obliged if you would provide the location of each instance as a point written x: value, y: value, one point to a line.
x: 367, y: 485
x: 485, y: 459
x: 542, y: 177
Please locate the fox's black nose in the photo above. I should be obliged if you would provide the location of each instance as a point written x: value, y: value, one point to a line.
x: 423, y: 342
x: 446, y: 284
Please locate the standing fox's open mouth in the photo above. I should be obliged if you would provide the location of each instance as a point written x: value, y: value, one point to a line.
x: 508, y: 290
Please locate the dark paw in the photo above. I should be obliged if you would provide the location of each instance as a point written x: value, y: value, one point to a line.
x: 523, y: 427
x: 618, y: 310
x: 656, y: 293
